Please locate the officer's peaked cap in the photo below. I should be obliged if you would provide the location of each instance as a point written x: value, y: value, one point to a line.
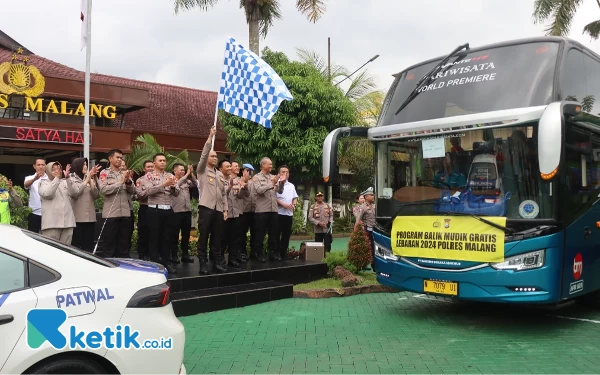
x: 369, y: 191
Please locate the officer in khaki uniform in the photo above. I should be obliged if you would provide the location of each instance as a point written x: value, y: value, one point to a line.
x: 265, y: 214
x: 236, y: 191
x: 321, y: 215
x: 142, y: 224
x: 247, y: 211
x: 160, y: 187
x: 366, y: 219
x: 115, y: 186
x: 212, y: 207
x: 183, y: 213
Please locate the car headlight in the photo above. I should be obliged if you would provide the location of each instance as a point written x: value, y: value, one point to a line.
x: 385, y: 253
x: 521, y: 262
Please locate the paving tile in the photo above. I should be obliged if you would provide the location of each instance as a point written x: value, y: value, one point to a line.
x: 379, y: 333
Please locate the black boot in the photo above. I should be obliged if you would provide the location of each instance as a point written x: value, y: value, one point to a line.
x: 203, y: 267
x: 175, y: 259
x: 219, y: 265
x: 171, y: 269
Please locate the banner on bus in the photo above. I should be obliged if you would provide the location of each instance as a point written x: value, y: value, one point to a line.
x: 450, y: 238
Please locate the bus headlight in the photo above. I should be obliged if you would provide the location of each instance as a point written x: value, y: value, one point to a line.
x: 521, y: 262
x: 385, y: 253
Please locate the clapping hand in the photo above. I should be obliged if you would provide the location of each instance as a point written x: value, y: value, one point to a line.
x: 9, y: 184
x: 169, y: 182
x: 67, y: 170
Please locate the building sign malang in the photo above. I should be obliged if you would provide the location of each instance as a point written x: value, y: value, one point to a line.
x: 19, y: 78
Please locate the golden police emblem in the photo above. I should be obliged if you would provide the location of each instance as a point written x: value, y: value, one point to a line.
x: 22, y: 79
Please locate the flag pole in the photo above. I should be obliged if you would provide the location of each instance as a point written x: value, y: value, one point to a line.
x: 212, y: 147
x: 88, y: 55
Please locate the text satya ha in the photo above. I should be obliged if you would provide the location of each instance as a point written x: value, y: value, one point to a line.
x: 60, y: 107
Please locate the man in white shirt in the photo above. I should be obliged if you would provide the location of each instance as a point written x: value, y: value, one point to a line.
x: 286, y: 205
x: 32, y: 183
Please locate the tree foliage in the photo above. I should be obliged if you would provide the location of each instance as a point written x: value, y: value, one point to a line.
x: 260, y: 14
x: 145, y: 148
x: 560, y: 15
x: 299, y: 127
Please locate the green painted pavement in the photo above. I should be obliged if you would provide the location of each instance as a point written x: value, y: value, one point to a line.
x: 391, y: 333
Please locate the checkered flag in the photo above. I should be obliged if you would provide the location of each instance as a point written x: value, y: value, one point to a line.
x: 250, y: 88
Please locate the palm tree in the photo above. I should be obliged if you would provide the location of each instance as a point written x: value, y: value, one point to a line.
x: 146, y: 147
x: 260, y: 14
x: 360, y: 85
x: 561, y: 13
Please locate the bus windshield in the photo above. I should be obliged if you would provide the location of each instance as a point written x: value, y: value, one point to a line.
x: 514, y: 76
x: 483, y: 172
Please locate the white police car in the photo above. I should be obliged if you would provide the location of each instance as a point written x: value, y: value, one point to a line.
x: 66, y: 311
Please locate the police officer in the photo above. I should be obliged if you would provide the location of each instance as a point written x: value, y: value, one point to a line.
x: 115, y: 186
x: 321, y: 215
x: 235, y: 203
x: 160, y: 187
x: 366, y: 219
x: 266, y: 186
x: 142, y: 225
x: 183, y: 213
x: 130, y: 198
x: 212, y: 206
x: 248, y: 210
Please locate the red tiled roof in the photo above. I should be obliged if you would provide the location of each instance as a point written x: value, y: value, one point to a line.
x: 172, y: 109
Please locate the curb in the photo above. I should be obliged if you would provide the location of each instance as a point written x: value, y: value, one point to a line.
x: 343, y: 292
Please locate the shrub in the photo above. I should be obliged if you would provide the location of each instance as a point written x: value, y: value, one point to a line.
x: 18, y: 215
x: 134, y: 240
x: 99, y: 203
x: 334, y: 259
x: 359, y: 249
x: 298, y: 227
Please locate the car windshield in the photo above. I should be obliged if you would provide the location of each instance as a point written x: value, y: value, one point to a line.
x: 514, y: 76
x: 71, y: 250
x: 484, y: 172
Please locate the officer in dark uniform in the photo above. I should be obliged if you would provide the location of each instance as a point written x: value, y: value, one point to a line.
x: 142, y: 225
x: 160, y: 187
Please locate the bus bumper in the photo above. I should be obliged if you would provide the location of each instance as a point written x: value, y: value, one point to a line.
x: 484, y: 284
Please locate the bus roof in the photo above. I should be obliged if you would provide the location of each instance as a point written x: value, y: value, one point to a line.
x: 542, y: 39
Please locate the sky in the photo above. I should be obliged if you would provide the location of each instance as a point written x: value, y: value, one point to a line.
x: 146, y: 40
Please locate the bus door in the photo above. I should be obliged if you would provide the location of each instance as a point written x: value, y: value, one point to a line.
x: 581, y: 206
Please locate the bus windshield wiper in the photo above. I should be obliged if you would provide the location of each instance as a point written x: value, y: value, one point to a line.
x: 428, y: 78
x: 497, y: 226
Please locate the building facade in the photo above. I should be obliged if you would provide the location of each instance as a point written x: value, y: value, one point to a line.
x: 42, y: 113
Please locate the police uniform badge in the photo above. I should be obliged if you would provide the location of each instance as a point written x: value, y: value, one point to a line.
x: 137, y: 183
x: 102, y: 177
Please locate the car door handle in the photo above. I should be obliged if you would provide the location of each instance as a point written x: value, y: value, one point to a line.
x: 587, y: 232
x: 5, y: 319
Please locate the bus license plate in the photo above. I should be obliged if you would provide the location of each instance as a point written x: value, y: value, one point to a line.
x: 440, y: 287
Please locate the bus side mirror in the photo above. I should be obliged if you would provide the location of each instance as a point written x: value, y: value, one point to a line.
x: 330, y: 150
x: 550, y: 139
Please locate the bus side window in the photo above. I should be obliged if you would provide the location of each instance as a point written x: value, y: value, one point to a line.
x: 591, y: 102
x: 572, y: 82
x: 582, y: 170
